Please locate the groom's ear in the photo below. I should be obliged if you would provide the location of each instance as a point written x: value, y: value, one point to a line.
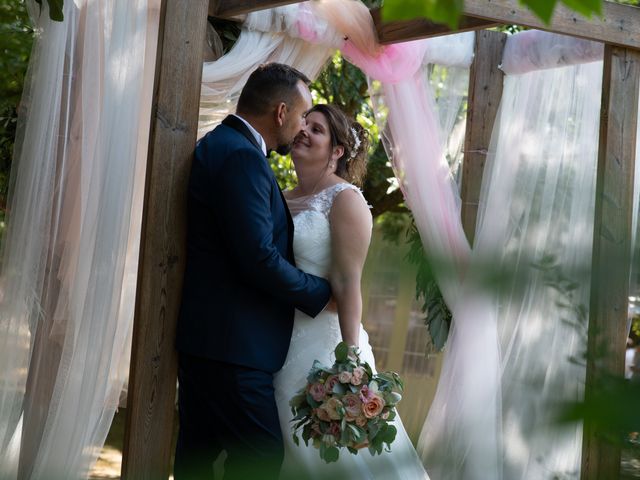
x: 280, y: 113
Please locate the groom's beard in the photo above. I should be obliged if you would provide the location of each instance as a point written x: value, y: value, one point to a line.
x: 284, y: 149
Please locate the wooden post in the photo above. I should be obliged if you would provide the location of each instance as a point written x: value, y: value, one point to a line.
x: 611, y: 245
x: 485, y: 91
x: 174, y: 121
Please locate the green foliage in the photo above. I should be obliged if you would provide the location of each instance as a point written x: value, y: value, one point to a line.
x: 55, y: 9
x: 448, y: 12
x: 437, y: 315
x: 16, y: 37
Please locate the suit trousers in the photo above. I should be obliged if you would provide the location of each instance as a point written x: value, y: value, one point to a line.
x: 228, y: 407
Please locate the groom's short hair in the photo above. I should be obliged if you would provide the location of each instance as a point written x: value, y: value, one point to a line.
x: 268, y: 85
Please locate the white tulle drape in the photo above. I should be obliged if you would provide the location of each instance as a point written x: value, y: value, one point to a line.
x: 69, y: 258
x: 536, y: 223
x: 500, y: 387
x: 267, y: 36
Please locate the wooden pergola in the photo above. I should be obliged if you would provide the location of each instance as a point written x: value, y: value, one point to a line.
x: 176, y: 95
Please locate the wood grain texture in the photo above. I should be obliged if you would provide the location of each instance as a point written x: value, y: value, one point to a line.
x: 618, y: 25
x: 174, y: 119
x: 485, y: 92
x: 406, y: 30
x: 232, y: 8
x: 611, y: 245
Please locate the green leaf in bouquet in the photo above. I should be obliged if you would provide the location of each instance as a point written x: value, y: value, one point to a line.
x: 392, y: 414
x: 375, y: 449
x: 388, y: 434
x: 298, y: 399
x: 342, y: 352
x: 306, y: 433
x: 352, y: 450
x: 368, y: 369
x: 339, y: 388
x: 358, y: 434
x: 331, y: 454
x: 295, y: 440
x: 301, y: 413
x: 392, y: 398
x: 373, y: 386
x: 311, y: 401
x: 374, y: 428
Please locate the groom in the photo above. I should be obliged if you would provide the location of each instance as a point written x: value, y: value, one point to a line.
x: 240, y: 285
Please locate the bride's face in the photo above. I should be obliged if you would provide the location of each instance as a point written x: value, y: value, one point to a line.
x: 312, y: 146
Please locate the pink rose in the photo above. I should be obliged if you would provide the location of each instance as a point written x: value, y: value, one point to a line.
x: 344, y: 377
x: 352, y: 405
x: 366, y: 394
x: 334, y: 429
x: 317, y: 392
x: 331, y: 381
x: 357, y: 375
x: 322, y: 414
x: 373, y: 407
x: 331, y: 406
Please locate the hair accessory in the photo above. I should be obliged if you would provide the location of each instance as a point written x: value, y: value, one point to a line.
x: 356, y: 143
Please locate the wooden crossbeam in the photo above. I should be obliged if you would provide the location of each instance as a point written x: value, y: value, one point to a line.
x: 232, y: 8
x: 152, y: 379
x: 619, y: 24
x: 405, y: 30
x: 611, y: 247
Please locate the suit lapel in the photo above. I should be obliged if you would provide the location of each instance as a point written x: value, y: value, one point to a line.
x: 290, y: 255
x: 234, y: 122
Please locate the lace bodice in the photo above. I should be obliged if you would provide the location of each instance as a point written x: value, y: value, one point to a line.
x: 315, y: 339
x: 312, y: 230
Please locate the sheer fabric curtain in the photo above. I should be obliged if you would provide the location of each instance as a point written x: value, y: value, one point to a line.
x: 69, y: 258
x: 536, y: 223
x: 535, y: 227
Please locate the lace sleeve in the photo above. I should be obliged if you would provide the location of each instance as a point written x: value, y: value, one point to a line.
x: 333, y: 192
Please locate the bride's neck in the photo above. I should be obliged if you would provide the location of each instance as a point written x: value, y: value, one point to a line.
x: 312, y: 182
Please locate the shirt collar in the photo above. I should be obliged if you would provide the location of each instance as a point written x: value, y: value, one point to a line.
x: 255, y: 133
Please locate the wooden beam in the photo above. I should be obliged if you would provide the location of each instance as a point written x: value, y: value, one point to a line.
x: 485, y: 92
x: 619, y: 24
x: 174, y: 121
x: 611, y: 246
x: 232, y: 8
x: 405, y: 30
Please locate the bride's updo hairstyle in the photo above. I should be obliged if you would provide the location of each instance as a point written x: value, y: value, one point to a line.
x: 352, y: 165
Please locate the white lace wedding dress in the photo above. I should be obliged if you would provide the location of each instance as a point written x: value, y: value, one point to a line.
x: 315, y: 339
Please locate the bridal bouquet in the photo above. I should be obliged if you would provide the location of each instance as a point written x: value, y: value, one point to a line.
x: 346, y: 405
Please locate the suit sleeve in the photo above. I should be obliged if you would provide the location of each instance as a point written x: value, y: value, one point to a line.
x: 248, y: 222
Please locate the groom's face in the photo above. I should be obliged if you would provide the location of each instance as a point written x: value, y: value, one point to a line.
x: 294, y: 118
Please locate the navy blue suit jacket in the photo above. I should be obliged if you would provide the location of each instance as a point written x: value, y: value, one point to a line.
x: 240, y: 285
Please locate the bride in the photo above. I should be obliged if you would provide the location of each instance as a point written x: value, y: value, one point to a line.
x: 332, y: 234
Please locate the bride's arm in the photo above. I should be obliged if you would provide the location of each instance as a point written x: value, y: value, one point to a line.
x: 350, y: 236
